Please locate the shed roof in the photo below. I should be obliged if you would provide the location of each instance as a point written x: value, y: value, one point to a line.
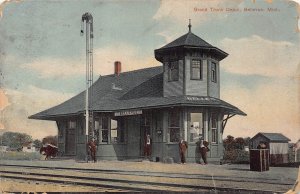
x: 139, y: 89
x: 273, y: 137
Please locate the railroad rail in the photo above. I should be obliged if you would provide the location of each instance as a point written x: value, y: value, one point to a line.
x: 139, y: 182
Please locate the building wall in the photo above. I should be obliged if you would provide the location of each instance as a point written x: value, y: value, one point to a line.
x: 195, y: 87
x: 61, y: 125
x: 134, y: 137
x: 171, y: 150
x: 213, y: 88
x: 162, y: 148
x: 173, y: 88
x: 81, y: 146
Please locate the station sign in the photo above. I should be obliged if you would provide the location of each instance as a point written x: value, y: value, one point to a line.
x: 128, y: 113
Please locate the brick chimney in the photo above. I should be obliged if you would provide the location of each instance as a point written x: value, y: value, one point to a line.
x: 117, y: 68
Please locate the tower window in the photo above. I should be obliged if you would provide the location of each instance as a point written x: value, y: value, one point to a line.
x: 213, y: 72
x: 196, y: 70
x: 173, y: 72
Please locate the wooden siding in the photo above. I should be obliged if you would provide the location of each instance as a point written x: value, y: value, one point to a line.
x: 213, y: 88
x: 61, y: 125
x: 134, y: 137
x: 195, y: 87
x: 161, y: 149
x: 173, y: 88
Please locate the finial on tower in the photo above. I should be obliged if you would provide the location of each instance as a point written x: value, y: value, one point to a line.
x: 190, y: 26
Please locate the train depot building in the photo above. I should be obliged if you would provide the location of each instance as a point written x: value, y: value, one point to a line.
x: 178, y: 99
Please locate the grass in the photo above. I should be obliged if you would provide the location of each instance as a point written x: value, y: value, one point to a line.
x: 13, y: 155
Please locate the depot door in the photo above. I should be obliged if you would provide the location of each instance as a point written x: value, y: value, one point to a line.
x: 144, y: 131
x: 70, y: 142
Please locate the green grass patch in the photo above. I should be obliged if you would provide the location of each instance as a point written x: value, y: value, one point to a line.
x: 20, y: 156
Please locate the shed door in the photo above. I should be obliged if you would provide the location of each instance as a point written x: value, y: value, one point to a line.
x: 70, y: 142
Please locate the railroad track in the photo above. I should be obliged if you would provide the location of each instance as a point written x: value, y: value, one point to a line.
x: 128, y: 180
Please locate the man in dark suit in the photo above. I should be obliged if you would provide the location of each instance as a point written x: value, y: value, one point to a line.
x: 203, y: 150
x: 183, y: 146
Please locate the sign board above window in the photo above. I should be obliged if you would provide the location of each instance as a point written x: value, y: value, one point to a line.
x: 128, y: 113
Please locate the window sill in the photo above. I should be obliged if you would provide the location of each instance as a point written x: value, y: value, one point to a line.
x: 196, y: 79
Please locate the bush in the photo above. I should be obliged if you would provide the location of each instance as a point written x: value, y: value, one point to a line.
x: 236, y: 156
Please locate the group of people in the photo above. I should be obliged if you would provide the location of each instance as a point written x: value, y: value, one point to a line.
x: 183, y: 146
x: 203, y: 149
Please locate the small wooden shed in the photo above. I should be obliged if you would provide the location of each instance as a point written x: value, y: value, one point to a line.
x: 276, y: 142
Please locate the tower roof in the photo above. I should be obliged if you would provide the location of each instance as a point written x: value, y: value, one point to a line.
x: 189, y: 41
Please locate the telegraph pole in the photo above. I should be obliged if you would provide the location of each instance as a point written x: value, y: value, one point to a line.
x: 88, y: 19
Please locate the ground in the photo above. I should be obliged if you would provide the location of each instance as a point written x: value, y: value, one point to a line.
x: 126, y: 173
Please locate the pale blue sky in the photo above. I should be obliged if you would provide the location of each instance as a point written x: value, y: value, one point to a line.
x: 35, y: 36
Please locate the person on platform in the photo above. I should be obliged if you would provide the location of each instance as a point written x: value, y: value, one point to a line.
x: 183, y: 146
x: 203, y: 150
x: 148, y: 143
x: 92, y: 149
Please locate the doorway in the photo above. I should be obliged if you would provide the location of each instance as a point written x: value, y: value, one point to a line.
x: 70, y: 142
x: 144, y: 131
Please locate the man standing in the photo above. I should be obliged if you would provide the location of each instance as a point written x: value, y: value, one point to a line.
x: 183, y: 146
x: 203, y: 150
x: 148, y: 143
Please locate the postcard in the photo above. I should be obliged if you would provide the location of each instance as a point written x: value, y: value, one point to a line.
x: 149, y: 96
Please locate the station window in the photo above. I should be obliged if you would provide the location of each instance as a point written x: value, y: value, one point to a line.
x: 101, y: 129
x: 213, y: 72
x: 196, y: 70
x: 173, y: 72
x: 71, y: 124
x: 214, y: 128
x: 174, y: 125
x: 117, y: 130
x: 196, y: 127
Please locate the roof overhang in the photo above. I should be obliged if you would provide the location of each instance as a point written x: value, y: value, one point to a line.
x: 225, y: 110
x: 218, y: 53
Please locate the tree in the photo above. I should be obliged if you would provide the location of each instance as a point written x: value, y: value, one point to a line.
x: 247, y: 141
x: 37, y: 143
x: 50, y: 140
x: 15, y: 139
x: 228, y: 142
x: 239, y: 143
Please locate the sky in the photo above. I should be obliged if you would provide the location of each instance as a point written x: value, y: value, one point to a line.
x: 42, y: 55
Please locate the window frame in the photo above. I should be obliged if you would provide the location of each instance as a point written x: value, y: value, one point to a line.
x: 71, y: 124
x: 120, y: 129
x: 214, y: 129
x: 171, y: 68
x: 201, y: 127
x: 171, y: 127
x: 192, y: 67
x: 214, y: 72
x: 100, y: 129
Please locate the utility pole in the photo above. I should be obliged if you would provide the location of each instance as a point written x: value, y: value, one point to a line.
x: 88, y: 19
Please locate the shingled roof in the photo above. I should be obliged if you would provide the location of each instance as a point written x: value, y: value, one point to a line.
x: 190, y: 40
x: 140, y: 89
x: 274, y: 137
